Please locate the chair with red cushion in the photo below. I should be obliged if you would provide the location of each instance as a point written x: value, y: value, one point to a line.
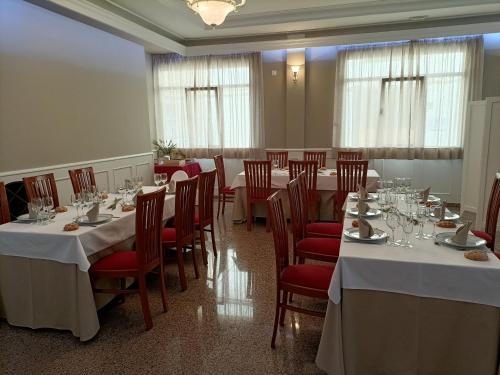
x: 489, y: 233
x: 82, y: 179
x: 319, y: 156
x: 4, y: 205
x: 225, y: 194
x: 310, y: 169
x: 258, y: 186
x: 319, y: 248
x: 182, y: 237
x: 147, y: 256
x: 349, y: 155
x: 311, y: 280
x: 280, y: 156
x: 205, y: 217
x: 41, y: 186
x: 350, y: 175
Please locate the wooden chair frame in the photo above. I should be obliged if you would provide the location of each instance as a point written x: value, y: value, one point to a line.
x: 82, y: 178
x: 40, y: 186
x: 224, y: 194
x: 206, y: 182
x: 4, y: 205
x: 349, y: 155
x: 350, y: 174
x: 280, y: 156
x: 258, y: 186
x: 310, y: 169
x: 319, y: 156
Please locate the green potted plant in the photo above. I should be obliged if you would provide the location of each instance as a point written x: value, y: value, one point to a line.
x: 167, y: 150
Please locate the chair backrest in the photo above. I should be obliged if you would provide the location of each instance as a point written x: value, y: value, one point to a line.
x: 4, y: 205
x: 221, y: 173
x: 257, y: 178
x: 280, y: 156
x: 82, y: 179
x: 349, y: 155
x: 319, y: 156
x: 148, y: 227
x: 206, y: 183
x: 310, y: 168
x: 179, y: 176
x: 493, y: 209
x: 350, y: 174
x: 185, y: 198
x: 17, y: 199
x: 41, y: 186
x: 280, y: 235
x: 297, y: 197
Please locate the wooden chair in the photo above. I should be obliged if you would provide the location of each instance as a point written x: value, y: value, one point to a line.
x: 225, y: 194
x: 280, y: 156
x: 4, y: 205
x: 310, y: 168
x: 41, y: 186
x: 319, y: 156
x: 205, y: 217
x: 311, y: 280
x: 350, y: 174
x: 489, y: 233
x: 258, y: 186
x: 82, y: 179
x: 147, y: 256
x: 326, y: 249
x: 16, y: 198
x: 349, y: 155
x: 183, y: 235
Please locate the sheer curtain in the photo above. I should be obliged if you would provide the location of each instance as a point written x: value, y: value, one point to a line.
x: 406, y: 100
x: 210, y: 104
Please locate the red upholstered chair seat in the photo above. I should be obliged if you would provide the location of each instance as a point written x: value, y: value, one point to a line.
x: 169, y: 235
x: 119, y: 261
x: 485, y: 236
x: 498, y: 255
x: 324, y: 229
x: 320, y: 245
x: 228, y: 190
x: 308, y: 275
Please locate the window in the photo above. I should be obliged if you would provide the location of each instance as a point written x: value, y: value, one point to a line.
x: 208, y: 104
x: 407, y: 99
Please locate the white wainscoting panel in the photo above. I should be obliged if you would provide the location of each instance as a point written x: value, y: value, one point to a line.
x: 109, y: 173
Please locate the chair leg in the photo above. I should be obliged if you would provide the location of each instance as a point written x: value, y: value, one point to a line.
x: 212, y: 233
x: 283, y: 309
x: 223, y: 203
x: 268, y: 220
x: 163, y: 287
x: 203, y: 246
x: 276, y: 319
x: 143, y: 291
x: 182, y: 272
x: 218, y: 207
x: 195, y: 265
x: 249, y: 217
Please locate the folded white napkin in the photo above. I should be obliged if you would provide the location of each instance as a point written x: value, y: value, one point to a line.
x: 362, y: 193
x: 365, y: 229
x: 93, y: 213
x: 460, y: 236
x: 425, y: 194
x: 363, y: 208
x: 31, y: 212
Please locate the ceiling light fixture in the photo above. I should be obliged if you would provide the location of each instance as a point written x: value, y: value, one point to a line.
x: 214, y: 12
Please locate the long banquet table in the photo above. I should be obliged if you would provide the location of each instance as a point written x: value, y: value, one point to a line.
x: 326, y: 187
x: 44, y: 280
x: 421, y: 310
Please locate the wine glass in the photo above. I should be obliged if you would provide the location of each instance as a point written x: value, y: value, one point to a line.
x: 164, y: 178
x: 392, y: 220
x: 421, y: 218
x: 432, y: 215
x: 37, y: 207
x: 75, y: 202
x: 275, y: 164
x: 407, y: 225
x: 157, y: 179
x: 48, y: 205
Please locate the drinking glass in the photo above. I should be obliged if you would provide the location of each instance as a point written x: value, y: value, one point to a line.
x: 140, y: 182
x: 157, y: 179
x: 48, y: 205
x: 421, y: 218
x: 275, y: 164
x: 392, y: 220
x: 407, y: 225
x: 434, y: 219
x: 75, y: 202
x: 37, y: 205
x: 164, y: 178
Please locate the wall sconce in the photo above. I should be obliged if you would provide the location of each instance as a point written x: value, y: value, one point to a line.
x: 295, y: 72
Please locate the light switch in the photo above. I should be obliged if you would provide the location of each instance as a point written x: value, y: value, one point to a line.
x: 274, y: 73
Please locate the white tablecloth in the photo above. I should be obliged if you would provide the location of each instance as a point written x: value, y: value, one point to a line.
x: 280, y: 178
x: 426, y: 270
x: 50, y: 242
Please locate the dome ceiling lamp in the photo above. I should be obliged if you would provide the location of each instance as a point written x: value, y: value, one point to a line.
x: 214, y: 12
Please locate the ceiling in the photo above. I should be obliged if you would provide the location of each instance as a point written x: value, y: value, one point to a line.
x: 168, y: 25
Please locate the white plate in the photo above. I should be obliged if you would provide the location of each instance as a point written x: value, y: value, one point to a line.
x: 372, y: 212
x: 473, y: 242
x: 371, y: 197
x: 433, y: 198
x: 378, y: 235
x: 102, y: 218
x: 448, y: 216
x: 25, y: 217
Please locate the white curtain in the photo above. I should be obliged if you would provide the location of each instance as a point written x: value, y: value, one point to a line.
x: 406, y: 100
x: 210, y: 104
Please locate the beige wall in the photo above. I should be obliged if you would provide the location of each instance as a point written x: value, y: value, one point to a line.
x: 68, y: 92
x: 491, y: 81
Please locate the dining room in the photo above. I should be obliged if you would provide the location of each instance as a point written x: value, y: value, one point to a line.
x: 252, y: 186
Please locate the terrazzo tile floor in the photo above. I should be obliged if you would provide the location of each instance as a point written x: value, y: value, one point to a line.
x: 221, y: 325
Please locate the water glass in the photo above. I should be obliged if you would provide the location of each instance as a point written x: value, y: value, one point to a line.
x: 164, y: 178
x: 392, y: 220
x: 407, y: 225
x: 37, y: 206
x: 75, y: 202
x: 421, y: 218
x: 157, y: 179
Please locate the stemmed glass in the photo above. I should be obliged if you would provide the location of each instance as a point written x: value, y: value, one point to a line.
x: 164, y: 178
x: 75, y: 202
x: 157, y: 179
x: 407, y: 225
x: 37, y: 207
x: 392, y: 220
x: 421, y: 218
x: 434, y: 219
x: 48, y: 206
x: 275, y: 164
